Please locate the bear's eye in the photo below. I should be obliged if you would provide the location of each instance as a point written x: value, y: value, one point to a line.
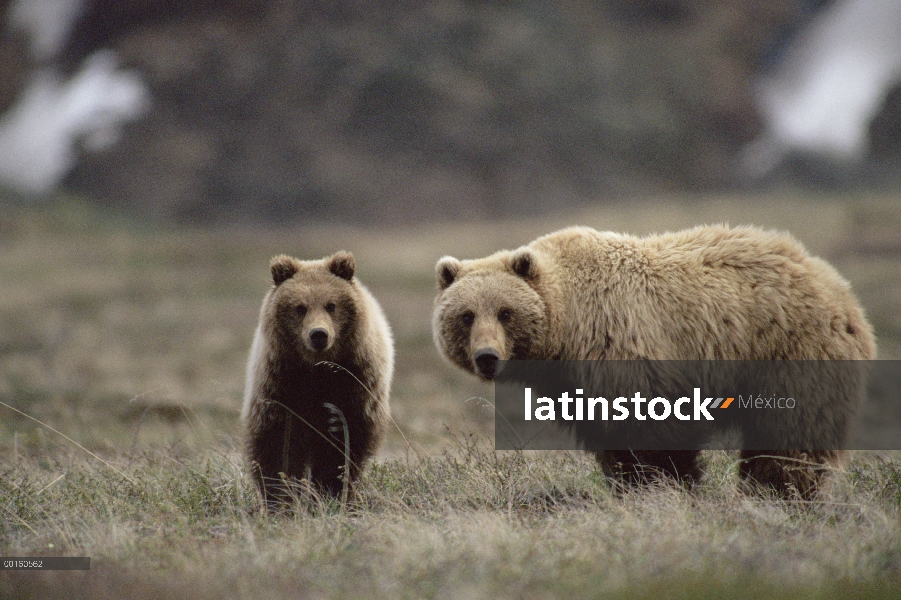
x: 504, y: 315
x: 468, y: 318
x: 301, y: 310
x: 330, y: 307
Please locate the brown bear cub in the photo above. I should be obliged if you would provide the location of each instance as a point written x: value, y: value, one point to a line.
x: 711, y: 292
x: 322, y: 340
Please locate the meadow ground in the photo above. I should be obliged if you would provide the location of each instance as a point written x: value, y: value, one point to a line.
x: 130, y: 342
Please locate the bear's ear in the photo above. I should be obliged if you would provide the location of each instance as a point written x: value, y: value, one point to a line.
x: 283, y: 267
x: 342, y: 264
x: 524, y: 263
x: 446, y: 270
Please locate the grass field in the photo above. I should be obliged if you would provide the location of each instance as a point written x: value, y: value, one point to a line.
x: 130, y: 341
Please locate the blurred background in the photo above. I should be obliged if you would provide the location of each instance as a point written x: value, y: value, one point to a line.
x: 155, y: 153
x: 358, y: 111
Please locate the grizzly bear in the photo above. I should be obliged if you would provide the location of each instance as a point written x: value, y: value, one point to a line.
x: 712, y: 292
x: 322, y: 342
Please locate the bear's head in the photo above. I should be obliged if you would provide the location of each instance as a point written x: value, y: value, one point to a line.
x: 489, y: 310
x: 312, y: 306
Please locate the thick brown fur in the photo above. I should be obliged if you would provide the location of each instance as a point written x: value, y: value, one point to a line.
x: 712, y: 292
x: 322, y: 338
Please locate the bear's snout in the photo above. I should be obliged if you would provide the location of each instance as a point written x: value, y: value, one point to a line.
x: 318, y: 339
x: 486, y: 362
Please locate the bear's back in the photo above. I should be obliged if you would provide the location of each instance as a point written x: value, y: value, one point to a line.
x: 711, y: 292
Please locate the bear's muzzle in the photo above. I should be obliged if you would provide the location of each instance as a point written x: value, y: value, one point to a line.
x: 486, y: 362
x: 318, y: 339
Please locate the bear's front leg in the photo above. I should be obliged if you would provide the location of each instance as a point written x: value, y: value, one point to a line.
x: 327, y: 471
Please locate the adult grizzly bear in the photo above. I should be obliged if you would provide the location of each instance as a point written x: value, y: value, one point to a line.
x: 322, y: 339
x: 711, y: 292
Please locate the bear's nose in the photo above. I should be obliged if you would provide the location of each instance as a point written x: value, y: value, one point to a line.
x: 318, y: 338
x: 486, y: 362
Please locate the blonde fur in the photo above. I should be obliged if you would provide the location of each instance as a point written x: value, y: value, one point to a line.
x: 712, y: 292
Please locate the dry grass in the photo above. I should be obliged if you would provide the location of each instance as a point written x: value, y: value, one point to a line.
x: 466, y: 523
x: 132, y: 342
